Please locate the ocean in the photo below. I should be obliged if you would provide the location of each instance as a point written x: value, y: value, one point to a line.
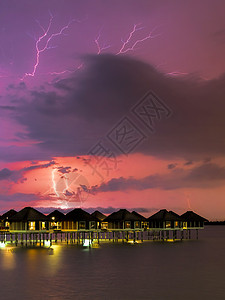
x: 191, y: 269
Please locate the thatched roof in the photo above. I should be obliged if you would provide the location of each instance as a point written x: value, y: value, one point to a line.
x: 56, y: 216
x: 98, y: 215
x: 8, y: 214
x: 142, y: 218
x: 164, y: 215
x: 191, y: 216
x: 79, y: 214
x: 122, y: 215
x: 28, y: 214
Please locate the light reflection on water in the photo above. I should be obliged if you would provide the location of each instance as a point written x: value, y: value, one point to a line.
x: 152, y: 270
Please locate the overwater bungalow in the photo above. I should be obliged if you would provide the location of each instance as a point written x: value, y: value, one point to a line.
x: 28, y: 219
x: 4, y: 219
x: 100, y: 217
x: 78, y: 219
x: 123, y: 219
x: 143, y: 220
x: 164, y: 219
x: 55, y: 220
x: 192, y: 220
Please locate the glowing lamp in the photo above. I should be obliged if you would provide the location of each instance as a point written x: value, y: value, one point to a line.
x: 2, y: 245
x: 47, y: 243
x: 87, y: 243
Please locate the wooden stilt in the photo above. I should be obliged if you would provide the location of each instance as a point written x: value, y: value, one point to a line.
x: 16, y: 238
x: 167, y: 234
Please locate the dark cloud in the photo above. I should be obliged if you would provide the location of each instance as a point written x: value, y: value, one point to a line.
x: 83, y: 108
x: 207, y: 172
x: 20, y: 198
x: 6, y: 107
x: 204, y: 176
x: 23, y: 153
x: 41, y: 166
x: 5, y: 174
x: 64, y: 170
x: 67, y: 193
x: 171, y: 166
x: 18, y: 175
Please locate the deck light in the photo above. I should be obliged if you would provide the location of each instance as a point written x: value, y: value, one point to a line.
x: 2, y: 245
x: 47, y: 243
x: 87, y: 243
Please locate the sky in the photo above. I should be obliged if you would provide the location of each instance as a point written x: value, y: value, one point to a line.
x: 113, y: 104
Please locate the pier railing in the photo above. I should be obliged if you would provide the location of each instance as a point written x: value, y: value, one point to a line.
x: 49, y: 237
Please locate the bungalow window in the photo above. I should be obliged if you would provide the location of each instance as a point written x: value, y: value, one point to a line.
x: 31, y: 225
x: 185, y: 225
x: 58, y: 224
x: 43, y: 226
x: 6, y: 224
x: 53, y: 225
x: 176, y: 224
x: 82, y: 225
x: 137, y: 224
x: 127, y: 224
x: 92, y: 225
x: 168, y: 224
x: 144, y: 225
x: 104, y: 225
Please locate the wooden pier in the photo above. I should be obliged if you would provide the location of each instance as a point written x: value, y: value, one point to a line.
x: 30, y: 228
x: 48, y: 238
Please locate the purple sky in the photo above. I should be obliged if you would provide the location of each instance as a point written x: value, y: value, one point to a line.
x: 75, y: 95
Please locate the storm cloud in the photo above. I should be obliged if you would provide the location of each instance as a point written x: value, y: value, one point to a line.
x: 80, y: 110
x: 203, y: 176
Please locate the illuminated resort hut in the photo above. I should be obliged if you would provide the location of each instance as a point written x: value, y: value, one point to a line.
x: 4, y: 219
x: 100, y: 217
x: 29, y: 219
x: 192, y: 221
x: 143, y: 220
x: 123, y: 219
x: 164, y: 219
x: 78, y: 219
x: 55, y: 220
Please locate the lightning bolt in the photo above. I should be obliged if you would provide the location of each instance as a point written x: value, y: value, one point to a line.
x: 46, y: 46
x: 54, y: 183
x: 176, y: 73
x: 99, y: 47
x: 187, y: 196
x: 67, y: 71
x: 125, y: 48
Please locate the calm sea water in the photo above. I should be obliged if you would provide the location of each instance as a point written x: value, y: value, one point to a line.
x: 153, y: 270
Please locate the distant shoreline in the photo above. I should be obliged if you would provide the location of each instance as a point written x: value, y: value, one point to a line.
x: 215, y: 223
